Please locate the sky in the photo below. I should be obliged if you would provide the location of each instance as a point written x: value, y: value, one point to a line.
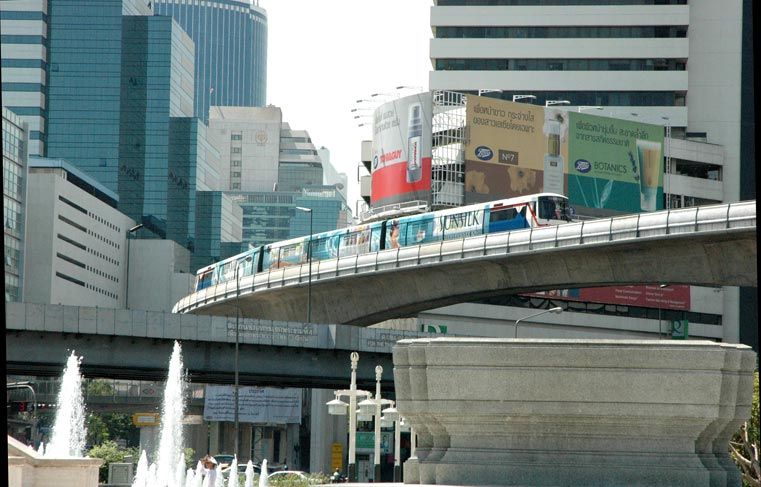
x: 323, y: 56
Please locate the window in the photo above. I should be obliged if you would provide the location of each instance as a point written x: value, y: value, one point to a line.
x: 236, y: 137
x: 235, y: 150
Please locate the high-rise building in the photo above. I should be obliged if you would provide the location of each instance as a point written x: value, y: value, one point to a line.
x: 15, y: 172
x: 673, y: 62
x: 248, y: 140
x: 24, y: 24
x: 84, y: 83
x: 231, y: 50
x: 218, y: 222
x: 156, y: 85
x: 331, y: 176
x: 300, y: 165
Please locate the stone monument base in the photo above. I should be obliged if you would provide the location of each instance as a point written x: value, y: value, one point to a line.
x: 573, y: 412
x: 27, y: 468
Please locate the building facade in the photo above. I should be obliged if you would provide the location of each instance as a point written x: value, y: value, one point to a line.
x: 643, y: 61
x: 248, y: 140
x: 77, y: 245
x: 15, y: 177
x: 24, y: 24
x: 299, y: 165
x: 218, y: 222
x: 231, y: 50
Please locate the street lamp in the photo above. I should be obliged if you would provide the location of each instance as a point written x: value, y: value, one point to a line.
x: 338, y: 407
x: 391, y: 414
x: 366, y: 406
x: 556, y: 310
x: 550, y: 103
x: 522, y: 97
x: 126, y: 289
x: 237, y: 331
x: 309, y: 257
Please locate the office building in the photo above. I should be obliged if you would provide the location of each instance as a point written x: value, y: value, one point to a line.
x: 248, y: 140
x: 15, y: 176
x: 300, y: 165
x: 24, y: 24
x: 231, y: 50
x: 331, y: 176
x: 652, y: 62
x: 218, y: 222
x: 76, y: 240
x: 84, y: 83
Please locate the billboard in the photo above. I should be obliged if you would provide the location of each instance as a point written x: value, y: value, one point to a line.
x: 255, y: 404
x: 516, y: 149
x: 674, y: 296
x: 401, y: 158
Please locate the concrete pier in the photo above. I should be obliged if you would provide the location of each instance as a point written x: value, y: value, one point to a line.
x: 572, y: 412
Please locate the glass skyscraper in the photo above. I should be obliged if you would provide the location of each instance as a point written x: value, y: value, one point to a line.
x: 231, y: 50
x: 84, y: 63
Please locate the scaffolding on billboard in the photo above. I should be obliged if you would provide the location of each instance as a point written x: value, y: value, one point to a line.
x: 448, y: 132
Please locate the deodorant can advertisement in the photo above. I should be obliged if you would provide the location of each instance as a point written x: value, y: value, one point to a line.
x: 401, y: 159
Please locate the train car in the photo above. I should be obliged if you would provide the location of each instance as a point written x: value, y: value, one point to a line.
x: 493, y: 217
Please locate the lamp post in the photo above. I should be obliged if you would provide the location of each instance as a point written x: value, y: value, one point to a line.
x: 376, y: 404
x: 309, y: 257
x: 660, y: 330
x: 237, y: 331
x: 522, y: 97
x: 338, y: 408
x: 391, y: 414
x: 126, y: 288
x: 556, y: 309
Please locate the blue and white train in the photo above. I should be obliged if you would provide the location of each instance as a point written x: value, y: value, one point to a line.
x: 465, y: 221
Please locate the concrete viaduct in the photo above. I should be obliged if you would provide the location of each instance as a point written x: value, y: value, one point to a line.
x: 709, y: 245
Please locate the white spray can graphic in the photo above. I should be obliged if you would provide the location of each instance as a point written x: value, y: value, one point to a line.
x: 414, y: 142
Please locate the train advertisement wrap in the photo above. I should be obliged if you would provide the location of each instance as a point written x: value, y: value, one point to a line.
x: 514, y: 149
x: 401, y: 157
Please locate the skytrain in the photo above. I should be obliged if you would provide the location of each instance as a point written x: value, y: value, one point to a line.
x: 465, y: 221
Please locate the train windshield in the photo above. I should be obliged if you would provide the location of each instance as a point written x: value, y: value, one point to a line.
x: 553, y: 208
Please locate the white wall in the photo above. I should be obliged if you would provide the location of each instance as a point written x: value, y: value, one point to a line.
x: 159, y: 274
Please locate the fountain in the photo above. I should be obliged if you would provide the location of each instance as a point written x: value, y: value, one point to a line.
x: 263, y: 480
x: 69, y: 431
x: 232, y: 480
x: 249, y: 474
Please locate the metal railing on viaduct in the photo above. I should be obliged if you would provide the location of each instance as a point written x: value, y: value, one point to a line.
x: 709, y: 245
x: 136, y: 345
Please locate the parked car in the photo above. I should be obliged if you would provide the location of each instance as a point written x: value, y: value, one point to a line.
x: 224, y: 460
x: 241, y: 471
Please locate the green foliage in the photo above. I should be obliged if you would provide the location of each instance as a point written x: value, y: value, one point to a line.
x: 99, y: 387
x: 97, y: 430
x: 109, y: 452
x: 742, y: 451
x: 108, y: 426
x: 189, y: 454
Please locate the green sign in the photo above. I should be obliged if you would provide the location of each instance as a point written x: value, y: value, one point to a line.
x: 614, y: 164
x: 365, y: 440
x: 679, y: 329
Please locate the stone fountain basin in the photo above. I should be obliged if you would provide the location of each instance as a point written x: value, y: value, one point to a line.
x: 572, y: 412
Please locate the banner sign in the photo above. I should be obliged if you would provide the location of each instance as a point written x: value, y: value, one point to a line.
x: 255, y: 404
x: 401, y: 160
x: 517, y: 149
x: 675, y: 297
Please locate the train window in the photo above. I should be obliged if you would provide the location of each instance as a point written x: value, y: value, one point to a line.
x: 553, y: 208
x: 204, y: 280
x: 498, y: 215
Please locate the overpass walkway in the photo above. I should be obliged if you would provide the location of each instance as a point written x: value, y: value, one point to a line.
x: 136, y: 344
x: 708, y: 245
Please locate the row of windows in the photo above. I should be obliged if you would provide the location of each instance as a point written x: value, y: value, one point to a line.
x: 13, y: 181
x: 560, y: 32
x: 94, y: 217
x: 560, y: 65
x: 12, y: 214
x: 12, y: 291
x: 94, y: 252
x: 13, y: 142
x: 22, y: 15
x: 542, y: 3
x: 91, y: 287
x: 22, y: 39
x: 308, y: 152
x: 23, y: 63
x: 23, y: 87
x: 29, y: 111
x: 600, y: 98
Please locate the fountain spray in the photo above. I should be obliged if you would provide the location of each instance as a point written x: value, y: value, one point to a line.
x: 69, y: 431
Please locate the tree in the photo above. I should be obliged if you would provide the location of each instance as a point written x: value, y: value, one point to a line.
x: 744, y: 446
x: 110, y: 452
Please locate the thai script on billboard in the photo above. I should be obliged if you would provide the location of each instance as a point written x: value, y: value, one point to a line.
x: 516, y: 149
x: 255, y: 404
x: 401, y: 157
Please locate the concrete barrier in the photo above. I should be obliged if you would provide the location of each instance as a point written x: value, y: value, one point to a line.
x: 573, y: 412
x: 27, y: 468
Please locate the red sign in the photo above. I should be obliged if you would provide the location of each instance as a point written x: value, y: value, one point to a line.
x: 669, y: 297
